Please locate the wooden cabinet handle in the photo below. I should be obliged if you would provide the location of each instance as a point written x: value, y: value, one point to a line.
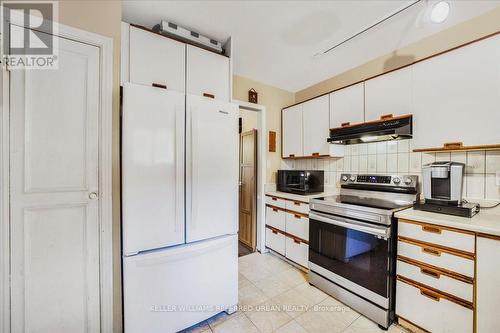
x: 291, y: 155
x: 296, y: 241
x: 432, y: 229
x: 209, y: 95
x: 274, y: 199
x: 159, y: 85
x: 275, y: 209
x: 453, y: 145
x: 315, y: 154
x: 297, y: 216
x: 296, y: 203
x: 428, y: 272
x: 345, y: 124
x: 431, y: 251
x: 430, y: 295
x: 386, y: 116
x: 274, y: 232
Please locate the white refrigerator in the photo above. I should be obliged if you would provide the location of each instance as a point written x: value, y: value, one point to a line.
x: 179, y: 208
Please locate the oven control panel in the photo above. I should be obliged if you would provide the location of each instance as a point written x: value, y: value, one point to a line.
x: 393, y: 180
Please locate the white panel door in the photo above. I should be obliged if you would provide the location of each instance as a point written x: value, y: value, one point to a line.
x: 212, y: 167
x: 54, y: 194
x: 457, y: 96
x: 488, y: 293
x: 156, y: 59
x: 390, y: 93
x: 292, y: 131
x: 207, y: 73
x: 152, y: 168
x: 316, y: 121
x: 347, y: 105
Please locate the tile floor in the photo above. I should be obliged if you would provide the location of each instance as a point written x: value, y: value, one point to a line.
x: 274, y: 296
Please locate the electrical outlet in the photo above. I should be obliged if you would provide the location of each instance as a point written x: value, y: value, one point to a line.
x: 498, y: 178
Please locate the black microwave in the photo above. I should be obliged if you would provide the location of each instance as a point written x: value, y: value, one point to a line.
x: 300, y: 181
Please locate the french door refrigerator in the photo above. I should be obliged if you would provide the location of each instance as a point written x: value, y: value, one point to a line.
x: 179, y: 208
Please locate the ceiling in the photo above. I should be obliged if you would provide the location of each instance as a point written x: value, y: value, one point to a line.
x: 276, y: 41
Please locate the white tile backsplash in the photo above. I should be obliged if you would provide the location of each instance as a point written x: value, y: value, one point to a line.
x: 442, y: 157
x: 403, y: 161
x: 476, y: 161
x: 392, y: 147
x: 492, y: 161
x: 397, y: 157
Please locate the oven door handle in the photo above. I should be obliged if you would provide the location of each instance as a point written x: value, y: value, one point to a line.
x: 383, y: 232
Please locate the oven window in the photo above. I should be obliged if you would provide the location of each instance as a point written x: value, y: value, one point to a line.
x: 359, y: 257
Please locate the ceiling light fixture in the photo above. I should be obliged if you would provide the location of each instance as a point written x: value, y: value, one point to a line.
x: 440, y: 12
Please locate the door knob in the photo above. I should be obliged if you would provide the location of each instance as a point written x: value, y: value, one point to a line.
x: 93, y: 195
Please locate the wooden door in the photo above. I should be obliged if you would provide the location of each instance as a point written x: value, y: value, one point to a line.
x: 292, y: 131
x: 248, y: 188
x: 316, y: 115
x: 54, y: 194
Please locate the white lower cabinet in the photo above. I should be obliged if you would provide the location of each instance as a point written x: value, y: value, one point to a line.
x: 431, y: 311
x: 488, y: 288
x: 437, y: 280
x: 297, y: 251
x: 275, y: 240
x: 297, y: 225
x: 275, y: 217
x: 298, y: 206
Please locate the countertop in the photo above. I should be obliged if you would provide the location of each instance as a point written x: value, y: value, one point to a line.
x: 487, y: 221
x: 297, y: 197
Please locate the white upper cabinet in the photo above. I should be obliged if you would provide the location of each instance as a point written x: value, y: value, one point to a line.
x: 316, y: 126
x: 292, y: 131
x: 347, y: 105
x: 156, y: 59
x: 390, y: 93
x: 457, y: 96
x: 208, y: 73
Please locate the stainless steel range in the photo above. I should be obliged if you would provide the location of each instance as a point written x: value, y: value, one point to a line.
x: 352, y: 242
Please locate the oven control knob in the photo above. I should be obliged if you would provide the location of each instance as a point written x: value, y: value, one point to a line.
x: 408, y: 181
x: 396, y: 180
x: 352, y: 179
x: 344, y: 178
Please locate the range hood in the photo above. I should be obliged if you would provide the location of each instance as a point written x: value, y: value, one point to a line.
x: 386, y: 129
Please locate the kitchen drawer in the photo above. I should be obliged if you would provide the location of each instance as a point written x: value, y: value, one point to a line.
x: 275, y: 240
x: 297, y: 225
x: 297, y: 251
x: 436, y: 280
x: 437, y: 235
x: 274, y: 201
x: 436, y: 257
x: 275, y: 218
x: 298, y: 206
x: 431, y: 311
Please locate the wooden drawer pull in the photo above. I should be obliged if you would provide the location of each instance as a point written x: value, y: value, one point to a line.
x: 274, y: 199
x: 296, y: 203
x: 275, y: 209
x: 296, y: 241
x: 274, y: 232
x: 159, y: 85
x: 434, y: 230
x: 291, y: 155
x: 386, y: 116
x: 297, y: 216
x: 430, y: 295
x: 208, y: 95
x: 431, y: 252
x: 345, y: 124
x: 430, y: 273
x: 315, y: 154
